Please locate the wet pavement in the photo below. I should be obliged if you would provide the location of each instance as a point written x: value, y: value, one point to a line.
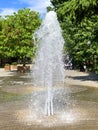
x: 22, y: 104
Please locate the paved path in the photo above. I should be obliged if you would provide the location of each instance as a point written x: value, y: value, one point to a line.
x: 81, y: 113
x: 74, y: 77
x: 4, y: 73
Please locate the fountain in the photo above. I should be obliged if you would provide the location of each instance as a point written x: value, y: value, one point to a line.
x: 72, y: 105
x: 48, y: 68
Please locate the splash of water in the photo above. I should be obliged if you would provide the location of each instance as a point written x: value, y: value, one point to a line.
x: 48, y: 68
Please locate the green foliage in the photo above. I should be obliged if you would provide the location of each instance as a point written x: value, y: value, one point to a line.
x: 49, y: 8
x: 17, y: 32
x: 79, y: 22
x: 14, y: 63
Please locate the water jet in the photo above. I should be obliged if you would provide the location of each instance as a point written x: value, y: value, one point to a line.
x: 48, y: 68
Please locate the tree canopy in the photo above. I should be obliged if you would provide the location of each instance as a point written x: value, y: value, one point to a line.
x: 16, y: 34
x: 79, y: 22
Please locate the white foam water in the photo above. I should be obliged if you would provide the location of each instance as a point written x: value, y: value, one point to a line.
x: 48, y: 69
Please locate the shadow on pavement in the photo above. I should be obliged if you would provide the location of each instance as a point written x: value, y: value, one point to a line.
x: 90, y: 77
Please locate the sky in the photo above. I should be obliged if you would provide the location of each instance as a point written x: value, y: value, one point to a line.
x: 7, y: 7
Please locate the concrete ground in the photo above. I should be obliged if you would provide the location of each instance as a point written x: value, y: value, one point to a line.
x: 74, y: 77
x: 5, y: 73
x: 19, y: 98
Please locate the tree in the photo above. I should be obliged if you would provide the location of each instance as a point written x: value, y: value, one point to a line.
x: 79, y: 22
x: 18, y: 30
x: 1, y: 38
